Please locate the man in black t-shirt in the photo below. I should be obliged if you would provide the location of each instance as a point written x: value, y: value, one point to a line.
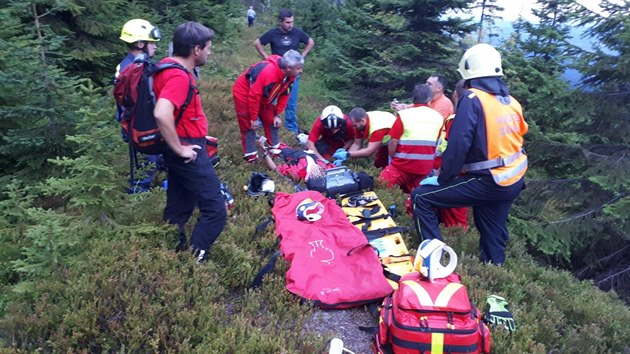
x: 281, y: 39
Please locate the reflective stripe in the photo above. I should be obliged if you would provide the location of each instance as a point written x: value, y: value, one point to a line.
x: 437, y: 343
x: 425, y: 299
x: 424, y: 347
x: 446, y: 294
x: 511, y: 173
x: 417, y: 142
x: 498, y: 162
x: 402, y: 155
x: 423, y: 296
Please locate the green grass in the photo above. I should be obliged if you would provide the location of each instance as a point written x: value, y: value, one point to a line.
x: 117, y: 286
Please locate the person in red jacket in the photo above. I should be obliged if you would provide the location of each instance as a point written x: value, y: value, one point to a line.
x: 262, y: 91
x: 332, y: 130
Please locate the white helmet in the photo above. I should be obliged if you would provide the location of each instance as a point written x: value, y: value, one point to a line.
x: 332, y: 117
x: 480, y: 60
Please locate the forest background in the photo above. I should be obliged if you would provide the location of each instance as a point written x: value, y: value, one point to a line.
x: 84, y: 267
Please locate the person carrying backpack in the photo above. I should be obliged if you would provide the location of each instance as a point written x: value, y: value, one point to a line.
x: 192, y: 180
x: 141, y: 38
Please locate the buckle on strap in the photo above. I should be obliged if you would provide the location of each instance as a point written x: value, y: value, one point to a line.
x: 498, y: 162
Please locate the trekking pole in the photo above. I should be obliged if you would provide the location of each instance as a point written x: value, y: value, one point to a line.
x: 132, y: 163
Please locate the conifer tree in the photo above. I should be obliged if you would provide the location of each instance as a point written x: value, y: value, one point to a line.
x: 379, y: 50
x: 487, y: 19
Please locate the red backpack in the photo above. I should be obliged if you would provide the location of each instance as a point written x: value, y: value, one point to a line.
x: 430, y: 317
x: 133, y: 91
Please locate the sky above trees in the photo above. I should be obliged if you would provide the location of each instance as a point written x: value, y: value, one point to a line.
x: 515, y: 8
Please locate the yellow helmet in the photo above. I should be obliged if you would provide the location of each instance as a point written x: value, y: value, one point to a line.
x: 480, y: 60
x: 139, y: 30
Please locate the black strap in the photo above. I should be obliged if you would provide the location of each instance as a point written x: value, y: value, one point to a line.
x: 369, y: 329
x: 391, y: 276
x: 189, y: 96
x: 132, y: 161
x: 378, y: 233
x: 266, y: 269
x: 262, y: 225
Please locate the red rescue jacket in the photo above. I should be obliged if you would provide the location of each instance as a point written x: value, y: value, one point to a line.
x: 264, y: 83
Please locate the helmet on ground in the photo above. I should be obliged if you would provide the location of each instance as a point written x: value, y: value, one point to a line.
x: 332, y: 117
x: 310, y: 210
x: 139, y: 30
x: 480, y: 60
x: 259, y: 184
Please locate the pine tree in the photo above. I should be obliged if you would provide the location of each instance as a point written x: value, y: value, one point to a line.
x: 487, y: 19
x: 38, y: 99
x: 381, y: 49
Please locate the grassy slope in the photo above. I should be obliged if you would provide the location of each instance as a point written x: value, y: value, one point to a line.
x: 124, y: 289
x: 553, y: 310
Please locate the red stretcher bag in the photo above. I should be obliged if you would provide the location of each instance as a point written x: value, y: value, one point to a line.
x: 425, y: 317
x: 331, y: 261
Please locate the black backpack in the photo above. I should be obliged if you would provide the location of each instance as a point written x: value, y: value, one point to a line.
x: 133, y: 91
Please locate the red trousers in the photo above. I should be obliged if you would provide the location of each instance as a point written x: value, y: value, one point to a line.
x: 395, y: 177
x: 248, y: 137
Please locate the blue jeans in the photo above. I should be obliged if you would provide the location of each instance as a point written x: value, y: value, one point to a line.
x: 291, y: 119
x: 490, y: 204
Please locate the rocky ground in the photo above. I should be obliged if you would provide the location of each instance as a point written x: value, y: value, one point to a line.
x: 344, y: 324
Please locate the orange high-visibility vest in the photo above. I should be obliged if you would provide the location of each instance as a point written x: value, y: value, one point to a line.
x: 505, y: 128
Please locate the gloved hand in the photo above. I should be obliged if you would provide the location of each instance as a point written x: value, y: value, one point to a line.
x: 430, y: 181
x: 340, y: 154
x: 338, y: 163
x: 499, y: 314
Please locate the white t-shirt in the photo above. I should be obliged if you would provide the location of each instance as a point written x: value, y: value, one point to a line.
x: 251, y: 13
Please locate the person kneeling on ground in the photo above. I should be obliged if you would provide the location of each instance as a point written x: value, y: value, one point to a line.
x: 485, y: 142
x: 332, y: 130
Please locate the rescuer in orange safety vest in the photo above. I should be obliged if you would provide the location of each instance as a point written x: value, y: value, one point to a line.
x: 485, y: 143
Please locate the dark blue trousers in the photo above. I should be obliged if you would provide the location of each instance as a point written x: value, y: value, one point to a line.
x: 490, y: 204
x: 195, y: 184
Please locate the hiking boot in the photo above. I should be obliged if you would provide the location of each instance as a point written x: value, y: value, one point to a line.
x: 181, y: 246
x: 201, y: 256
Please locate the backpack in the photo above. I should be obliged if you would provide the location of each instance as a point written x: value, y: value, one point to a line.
x: 430, y: 317
x: 133, y: 91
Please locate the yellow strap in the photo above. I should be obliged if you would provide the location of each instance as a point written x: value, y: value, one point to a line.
x: 437, y: 343
x: 446, y: 294
x: 423, y: 296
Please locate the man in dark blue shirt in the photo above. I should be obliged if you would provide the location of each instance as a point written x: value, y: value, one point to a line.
x: 281, y: 39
